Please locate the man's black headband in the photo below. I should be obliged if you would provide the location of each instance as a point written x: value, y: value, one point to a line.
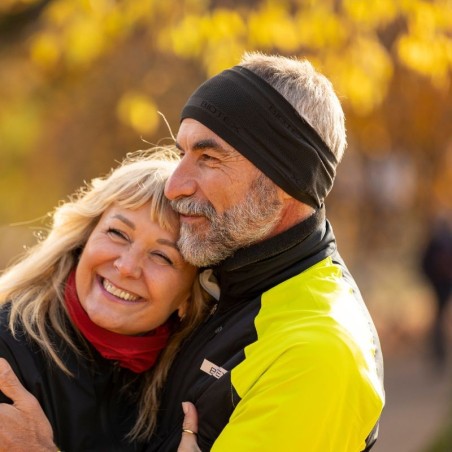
x: 250, y: 115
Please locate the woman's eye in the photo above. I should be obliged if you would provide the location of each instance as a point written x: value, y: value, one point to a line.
x: 162, y: 258
x: 116, y: 233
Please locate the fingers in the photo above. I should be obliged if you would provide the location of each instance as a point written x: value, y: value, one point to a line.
x: 191, y: 417
x: 8, y: 381
x: 23, y: 425
x: 11, y: 386
x: 189, y: 428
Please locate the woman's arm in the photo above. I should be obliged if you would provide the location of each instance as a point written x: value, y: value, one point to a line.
x: 23, y: 425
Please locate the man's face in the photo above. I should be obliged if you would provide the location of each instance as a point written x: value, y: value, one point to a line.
x: 225, y: 202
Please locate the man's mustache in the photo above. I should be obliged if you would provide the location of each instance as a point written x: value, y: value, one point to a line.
x: 188, y: 206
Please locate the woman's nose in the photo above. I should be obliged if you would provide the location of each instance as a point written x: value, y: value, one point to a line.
x: 128, y: 264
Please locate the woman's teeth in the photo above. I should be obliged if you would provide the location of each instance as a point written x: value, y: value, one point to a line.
x: 110, y: 288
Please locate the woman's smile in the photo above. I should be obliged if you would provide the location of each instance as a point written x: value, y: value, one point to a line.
x: 118, y: 292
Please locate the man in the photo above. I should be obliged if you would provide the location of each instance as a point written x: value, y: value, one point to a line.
x: 289, y: 358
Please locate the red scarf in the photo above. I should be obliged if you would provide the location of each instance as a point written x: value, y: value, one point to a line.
x: 137, y: 353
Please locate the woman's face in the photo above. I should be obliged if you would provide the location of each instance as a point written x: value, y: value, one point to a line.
x: 131, y: 276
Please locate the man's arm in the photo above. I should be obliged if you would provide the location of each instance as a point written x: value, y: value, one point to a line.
x: 23, y: 425
x: 308, y: 399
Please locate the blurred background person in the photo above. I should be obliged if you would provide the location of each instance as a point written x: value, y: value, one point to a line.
x: 436, y: 264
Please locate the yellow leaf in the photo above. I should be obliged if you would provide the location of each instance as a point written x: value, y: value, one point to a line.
x: 371, y: 13
x: 431, y: 57
x: 361, y: 74
x: 222, y: 56
x: 20, y: 127
x: 45, y: 50
x: 187, y: 39
x: 224, y: 24
x: 272, y: 26
x: 319, y: 28
x: 139, y: 112
x: 61, y: 12
x: 138, y: 11
x: 84, y: 41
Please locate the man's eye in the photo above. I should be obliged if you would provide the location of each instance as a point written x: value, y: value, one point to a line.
x: 209, y: 158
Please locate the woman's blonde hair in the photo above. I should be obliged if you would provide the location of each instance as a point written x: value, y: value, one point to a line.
x: 35, y: 284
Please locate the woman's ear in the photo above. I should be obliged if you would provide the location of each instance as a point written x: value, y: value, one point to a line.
x: 182, y: 309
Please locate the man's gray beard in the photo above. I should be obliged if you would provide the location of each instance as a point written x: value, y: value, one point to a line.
x: 240, y: 226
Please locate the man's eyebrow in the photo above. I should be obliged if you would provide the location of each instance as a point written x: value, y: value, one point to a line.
x: 208, y: 143
x: 125, y: 220
x: 169, y: 243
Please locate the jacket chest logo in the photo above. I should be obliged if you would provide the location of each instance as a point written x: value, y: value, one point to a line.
x: 212, y: 369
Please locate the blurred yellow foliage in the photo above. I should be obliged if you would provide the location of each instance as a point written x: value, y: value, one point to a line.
x: 84, y: 42
x: 61, y: 12
x: 73, y: 34
x: 224, y: 55
x: 19, y: 127
x: 138, y: 111
x: 427, y: 48
x: 45, y: 50
x: 136, y: 12
x: 432, y: 58
x: 224, y: 24
x: 319, y: 29
x: 371, y: 14
x: 187, y: 39
x: 272, y: 26
x: 15, y: 5
x: 362, y: 73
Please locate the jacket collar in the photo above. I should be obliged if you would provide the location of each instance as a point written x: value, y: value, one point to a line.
x: 257, y: 268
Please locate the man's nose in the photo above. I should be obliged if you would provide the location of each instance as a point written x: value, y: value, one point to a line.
x: 129, y: 264
x: 182, y: 182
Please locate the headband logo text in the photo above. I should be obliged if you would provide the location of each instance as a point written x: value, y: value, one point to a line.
x: 220, y: 115
x: 277, y: 114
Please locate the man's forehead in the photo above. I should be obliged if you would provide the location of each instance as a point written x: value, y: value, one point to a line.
x: 191, y: 129
x: 195, y: 136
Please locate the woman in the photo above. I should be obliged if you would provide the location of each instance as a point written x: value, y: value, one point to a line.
x: 87, y: 311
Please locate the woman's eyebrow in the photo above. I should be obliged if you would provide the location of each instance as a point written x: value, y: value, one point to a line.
x: 125, y: 220
x: 169, y: 243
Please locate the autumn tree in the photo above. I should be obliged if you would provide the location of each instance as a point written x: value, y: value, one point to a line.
x: 82, y: 82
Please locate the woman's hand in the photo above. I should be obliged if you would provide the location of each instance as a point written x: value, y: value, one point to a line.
x: 23, y: 425
x: 189, y: 429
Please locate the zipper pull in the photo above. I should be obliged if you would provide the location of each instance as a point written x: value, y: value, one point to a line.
x: 213, y: 309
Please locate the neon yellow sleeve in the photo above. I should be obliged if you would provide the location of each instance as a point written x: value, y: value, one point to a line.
x: 308, y: 384
x: 320, y: 408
